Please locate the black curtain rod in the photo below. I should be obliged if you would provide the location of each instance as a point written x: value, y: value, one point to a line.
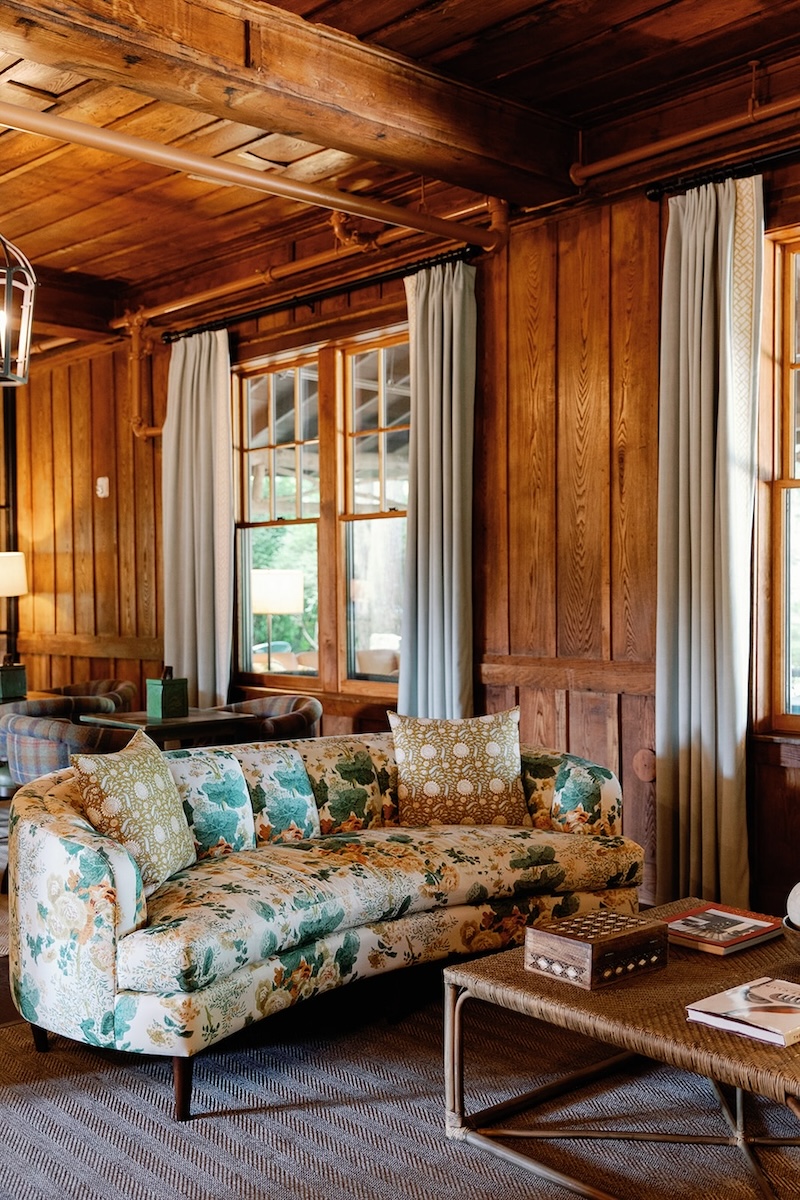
x: 312, y: 298
x: 684, y: 183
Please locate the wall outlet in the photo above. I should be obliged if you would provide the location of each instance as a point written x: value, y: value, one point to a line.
x: 101, y: 487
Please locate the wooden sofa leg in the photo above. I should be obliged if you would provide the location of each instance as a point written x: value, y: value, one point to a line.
x: 40, y: 1038
x: 182, y: 1075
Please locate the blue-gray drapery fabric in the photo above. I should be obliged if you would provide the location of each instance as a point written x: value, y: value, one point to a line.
x: 436, y: 654
x: 711, y: 309
x: 197, y: 480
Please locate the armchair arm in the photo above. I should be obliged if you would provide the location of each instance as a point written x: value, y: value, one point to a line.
x: 570, y: 794
x: 72, y: 893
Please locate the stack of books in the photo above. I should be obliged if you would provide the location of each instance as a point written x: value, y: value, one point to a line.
x: 718, y: 929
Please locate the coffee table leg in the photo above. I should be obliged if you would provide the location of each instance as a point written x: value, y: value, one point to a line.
x: 460, y: 1127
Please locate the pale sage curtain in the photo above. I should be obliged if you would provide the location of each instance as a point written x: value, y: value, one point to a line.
x: 198, y: 517
x: 711, y: 307
x: 436, y: 651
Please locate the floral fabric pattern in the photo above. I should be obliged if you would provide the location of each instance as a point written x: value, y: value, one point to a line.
x: 215, y: 799
x: 564, y: 791
x: 131, y: 796
x: 282, y: 801
x: 229, y: 939
x: 344, y: 782
x: 459, y: 772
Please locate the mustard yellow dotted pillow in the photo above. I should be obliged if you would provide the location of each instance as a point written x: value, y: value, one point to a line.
x: 132, y: 797
x: 459, y: 772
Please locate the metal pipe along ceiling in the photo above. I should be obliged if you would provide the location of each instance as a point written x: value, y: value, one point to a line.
x: 129, y: 146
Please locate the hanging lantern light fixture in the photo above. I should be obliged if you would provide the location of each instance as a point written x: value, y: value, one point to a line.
x: 17, y: 288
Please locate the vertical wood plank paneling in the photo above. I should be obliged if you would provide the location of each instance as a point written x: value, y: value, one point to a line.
x: 637, y: 775
x: 103, y: 462
x: 80, y: 388
x: 634, y: 425
x: 63, y: 508
x: 147, y: 468
x: 542, y: 718
x: 490, y: 510
x: 532, y: 441
x: 23, y: 417
x: 594, y: 727
x: 42, y: 559
x: 123, y: 499
x: 582, y: 482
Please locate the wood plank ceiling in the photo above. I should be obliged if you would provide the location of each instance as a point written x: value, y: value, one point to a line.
x: 436, y: 104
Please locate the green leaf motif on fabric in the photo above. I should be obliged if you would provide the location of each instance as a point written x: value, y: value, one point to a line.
x: 26, y: 996
x: 566, y: 907
x: 534, y: 856
x: 347, y: 954
x: 358, y: 769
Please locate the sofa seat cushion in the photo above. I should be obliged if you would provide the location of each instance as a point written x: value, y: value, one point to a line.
x: 221, y: 914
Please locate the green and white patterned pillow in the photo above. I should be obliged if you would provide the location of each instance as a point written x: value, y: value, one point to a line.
x: 459, y: 772
x: 281, y: 798
x: 215, y: 798
x: 131, y: 796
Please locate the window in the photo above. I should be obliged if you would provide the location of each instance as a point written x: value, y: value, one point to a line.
x: 321, y: 520
x: 786, y: 507
x: 378, y: 415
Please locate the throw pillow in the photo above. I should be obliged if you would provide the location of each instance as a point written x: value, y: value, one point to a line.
x: 459, y: 772
x: 131, y: 796
x: 215, y: 798
x: 281, y: 798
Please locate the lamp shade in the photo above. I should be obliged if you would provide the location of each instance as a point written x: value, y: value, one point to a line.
x: 273, y: 591
x: 13, y: 576
x: 17, y: 289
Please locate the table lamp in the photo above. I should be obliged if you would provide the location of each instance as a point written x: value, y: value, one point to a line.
x: 275, y: 591
x: 13, y: 583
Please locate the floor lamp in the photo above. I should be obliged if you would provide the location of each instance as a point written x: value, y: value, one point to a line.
x: 275, y: 592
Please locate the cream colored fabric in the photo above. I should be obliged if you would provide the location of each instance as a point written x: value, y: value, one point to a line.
x: 459, y: 772
x: 132, y: 797
x: 706, y: 486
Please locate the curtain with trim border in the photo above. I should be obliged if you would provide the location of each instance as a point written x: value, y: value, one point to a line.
x: 711, y: 317
x: 436, y: 661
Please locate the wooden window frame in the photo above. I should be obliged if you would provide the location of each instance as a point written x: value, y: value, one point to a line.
x: 333, y: 516
x: 787, y: 309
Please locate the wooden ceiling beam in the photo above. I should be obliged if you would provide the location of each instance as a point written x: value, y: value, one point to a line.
x: 259, y: 65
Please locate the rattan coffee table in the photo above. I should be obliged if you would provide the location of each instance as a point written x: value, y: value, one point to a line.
x: 642, y: 1015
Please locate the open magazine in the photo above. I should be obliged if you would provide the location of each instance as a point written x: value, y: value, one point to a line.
x: 767, y: 1009
x: 718, y: 929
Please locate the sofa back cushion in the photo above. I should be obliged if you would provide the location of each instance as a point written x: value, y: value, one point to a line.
x: 281, y: 798
x: 132, y: 797
x: 459, y: 771
x: 216, y: 800
x: 344, y: 781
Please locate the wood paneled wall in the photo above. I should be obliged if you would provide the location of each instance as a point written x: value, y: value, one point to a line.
x: 565, y: 509
x: 567, y: 489
x: 94, y: 563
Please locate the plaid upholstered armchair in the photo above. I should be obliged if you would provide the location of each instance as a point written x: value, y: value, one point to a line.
x: 35, y: 744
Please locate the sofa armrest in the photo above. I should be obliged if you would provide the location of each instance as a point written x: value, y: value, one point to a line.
x: 570, y: 794
x: 72, y: 893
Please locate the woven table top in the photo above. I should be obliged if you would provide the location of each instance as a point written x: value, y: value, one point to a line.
x: 646, y: 1013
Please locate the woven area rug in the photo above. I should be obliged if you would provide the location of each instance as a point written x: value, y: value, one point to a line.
x: 333, y: 1101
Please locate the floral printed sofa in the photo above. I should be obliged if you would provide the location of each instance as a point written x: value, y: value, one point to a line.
x: 296, y: 877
